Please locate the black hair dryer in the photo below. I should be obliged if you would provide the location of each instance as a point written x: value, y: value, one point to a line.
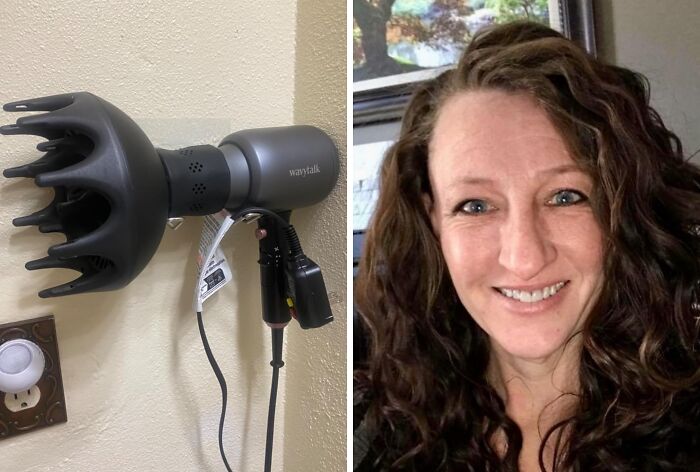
x: 114, y: 192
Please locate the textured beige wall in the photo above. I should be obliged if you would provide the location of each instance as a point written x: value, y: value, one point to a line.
x: 317, y: 364
x: 140, y: 393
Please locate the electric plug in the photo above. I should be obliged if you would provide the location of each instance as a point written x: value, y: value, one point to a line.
x: 312, y: 307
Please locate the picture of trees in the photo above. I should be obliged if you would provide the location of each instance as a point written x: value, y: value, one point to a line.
x: 397, y: 36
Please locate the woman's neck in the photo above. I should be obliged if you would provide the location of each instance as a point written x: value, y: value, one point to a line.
x: 538, y: 394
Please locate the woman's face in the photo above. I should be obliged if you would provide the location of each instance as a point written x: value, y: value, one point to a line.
x: 511, y: 211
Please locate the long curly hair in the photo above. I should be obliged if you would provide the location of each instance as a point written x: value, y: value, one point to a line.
x: 639, y: 402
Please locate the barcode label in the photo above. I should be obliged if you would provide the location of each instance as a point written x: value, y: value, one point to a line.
x: 212, y: 267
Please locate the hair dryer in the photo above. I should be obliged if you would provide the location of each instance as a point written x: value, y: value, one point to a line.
x: 114, y: 192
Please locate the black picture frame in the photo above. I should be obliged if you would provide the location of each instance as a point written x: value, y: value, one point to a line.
x: 387, y: 103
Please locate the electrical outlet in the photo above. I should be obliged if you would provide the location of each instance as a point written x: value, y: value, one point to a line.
x: 43, y: 404
x: 23, y: 400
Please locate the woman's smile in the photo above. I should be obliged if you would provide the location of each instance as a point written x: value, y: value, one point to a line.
x: 531, y: 302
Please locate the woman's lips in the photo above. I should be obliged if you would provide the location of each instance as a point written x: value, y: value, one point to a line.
x: 547, y: 304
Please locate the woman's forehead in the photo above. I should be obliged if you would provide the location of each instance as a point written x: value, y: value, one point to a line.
x: 493, y: 129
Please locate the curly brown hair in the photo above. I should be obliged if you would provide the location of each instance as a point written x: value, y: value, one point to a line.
x: 425, y: 378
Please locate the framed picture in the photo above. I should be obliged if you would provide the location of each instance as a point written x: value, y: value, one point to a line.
x: 399, y: 43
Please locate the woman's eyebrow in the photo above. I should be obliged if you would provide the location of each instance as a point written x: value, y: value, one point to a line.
x: 562, y: 169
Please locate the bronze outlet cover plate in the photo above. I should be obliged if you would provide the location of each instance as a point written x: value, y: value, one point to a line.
x: 51, y: 408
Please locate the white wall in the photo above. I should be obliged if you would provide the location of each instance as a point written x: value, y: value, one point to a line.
x: 139, y: 391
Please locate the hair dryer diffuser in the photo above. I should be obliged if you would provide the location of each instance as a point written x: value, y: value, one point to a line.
x: 114, y: 192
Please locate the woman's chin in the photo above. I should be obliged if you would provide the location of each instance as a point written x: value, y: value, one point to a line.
x: 528, y: 347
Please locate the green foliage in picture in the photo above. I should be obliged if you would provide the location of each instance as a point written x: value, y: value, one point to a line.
x: 510, y: 10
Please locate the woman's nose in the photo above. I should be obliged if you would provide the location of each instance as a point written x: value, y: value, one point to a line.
x: 525, y: 245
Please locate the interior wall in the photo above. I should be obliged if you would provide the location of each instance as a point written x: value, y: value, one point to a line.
x: 662, y: 41
x: 140, y: 393
x: 316, y: 377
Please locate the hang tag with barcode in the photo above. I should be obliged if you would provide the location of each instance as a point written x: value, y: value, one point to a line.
x: 213, y: 270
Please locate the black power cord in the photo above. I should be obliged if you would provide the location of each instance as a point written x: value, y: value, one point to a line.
x: 306, y: 279
x: 276, y: 363
x: 222, y: 383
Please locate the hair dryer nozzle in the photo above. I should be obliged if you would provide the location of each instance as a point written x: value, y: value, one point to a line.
x: 111, y: 196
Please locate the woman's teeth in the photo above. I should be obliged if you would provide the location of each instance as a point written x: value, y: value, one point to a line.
x: 532, y: 297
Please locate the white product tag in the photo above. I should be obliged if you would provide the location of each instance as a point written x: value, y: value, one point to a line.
x: 213, y: 271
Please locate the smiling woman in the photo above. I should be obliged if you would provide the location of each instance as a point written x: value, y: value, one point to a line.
x: 511, y: 213
x: 530, y: 273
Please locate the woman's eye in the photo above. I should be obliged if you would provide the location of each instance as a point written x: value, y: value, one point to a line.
x: 567, y: 197
x: 473, y: 207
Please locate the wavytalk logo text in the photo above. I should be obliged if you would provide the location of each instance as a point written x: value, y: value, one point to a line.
x: 304, y: 171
